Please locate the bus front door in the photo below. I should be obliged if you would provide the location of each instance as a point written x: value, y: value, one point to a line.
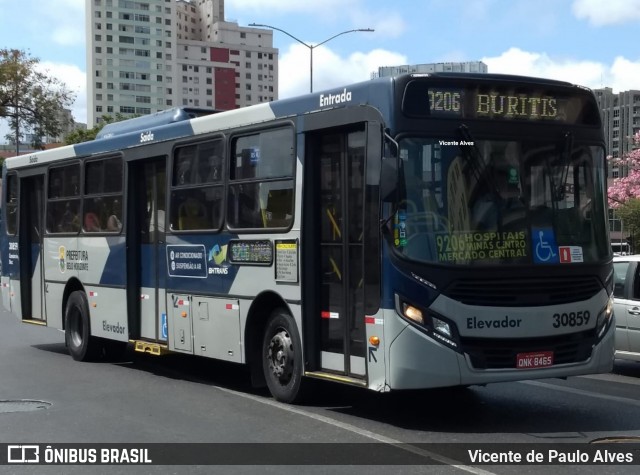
x: 340, y: 156
x: 146, y: 265
x: 32, y: 285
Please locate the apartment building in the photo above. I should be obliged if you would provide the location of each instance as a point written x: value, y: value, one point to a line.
x: 150, y: 55
x: 620, y: 118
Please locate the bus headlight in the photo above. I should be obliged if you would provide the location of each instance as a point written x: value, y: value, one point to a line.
x: 604, y: 318
x: 412, y: 313
x: 434, y: 325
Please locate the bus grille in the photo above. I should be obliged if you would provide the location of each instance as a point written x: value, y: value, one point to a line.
x: 494, y: 353
x: 521, y: 292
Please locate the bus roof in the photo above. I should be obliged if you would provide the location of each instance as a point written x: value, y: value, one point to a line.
x: 184, y: 122
x: 144, y: 122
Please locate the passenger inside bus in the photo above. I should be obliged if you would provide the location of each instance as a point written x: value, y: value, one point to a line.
x: 69, y: 221
x: 113, y: 222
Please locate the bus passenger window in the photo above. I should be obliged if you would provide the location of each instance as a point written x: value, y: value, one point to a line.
x: 278, y: 212
x: 249, y: 213
x: 261, y: 175
x: 192, y: 215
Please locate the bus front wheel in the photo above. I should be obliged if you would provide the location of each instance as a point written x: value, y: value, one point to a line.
x: 77, y: 332
x: 282, y: 357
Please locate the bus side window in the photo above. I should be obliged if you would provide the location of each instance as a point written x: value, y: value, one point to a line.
x: 249, y: 211
x: 192, y: 215
x: 278, y: 210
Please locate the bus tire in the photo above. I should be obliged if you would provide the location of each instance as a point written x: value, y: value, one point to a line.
x: 282, y: 357
x: 77, y: 330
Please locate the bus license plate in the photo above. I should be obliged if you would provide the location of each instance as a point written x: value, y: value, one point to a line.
x: 539, y: 359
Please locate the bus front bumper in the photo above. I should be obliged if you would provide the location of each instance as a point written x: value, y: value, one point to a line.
x: 418, y: 362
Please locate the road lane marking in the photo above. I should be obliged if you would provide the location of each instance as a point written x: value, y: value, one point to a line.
x: 362, y: 432
x: 582, y: 392
x: 615, y: 377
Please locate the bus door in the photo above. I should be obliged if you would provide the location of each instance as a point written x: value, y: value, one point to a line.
x: 338, y: 160
x: 32, y: 286
x: 146, y: 264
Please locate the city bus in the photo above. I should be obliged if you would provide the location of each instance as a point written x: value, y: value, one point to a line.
x: 420, y: 231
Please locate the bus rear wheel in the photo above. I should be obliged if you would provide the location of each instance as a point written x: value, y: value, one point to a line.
x: 282, y: 357
x: 77, y: 330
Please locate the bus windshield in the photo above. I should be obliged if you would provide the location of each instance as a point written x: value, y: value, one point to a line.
x: 501, y: 202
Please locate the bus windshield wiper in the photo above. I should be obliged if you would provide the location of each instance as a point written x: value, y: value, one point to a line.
x: 566, y: 159
x: 558, y: 188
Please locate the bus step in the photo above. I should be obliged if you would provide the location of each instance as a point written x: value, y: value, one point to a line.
x: 154, y: 349
x: 362, y: 382
x: 31, y: 321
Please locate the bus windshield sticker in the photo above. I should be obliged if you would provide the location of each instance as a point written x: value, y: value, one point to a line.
x: 545, y: 250
x: 252, y: 252
x: 287, y: 261
x: 400, y: 228
x: 570, y: 254
x: 187, y: 261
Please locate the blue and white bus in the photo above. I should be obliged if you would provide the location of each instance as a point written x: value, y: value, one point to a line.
x: 410, y: 232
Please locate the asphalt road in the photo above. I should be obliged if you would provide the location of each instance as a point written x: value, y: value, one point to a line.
x: 179, y: 399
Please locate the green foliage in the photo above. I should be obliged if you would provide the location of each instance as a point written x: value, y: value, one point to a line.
x: 30, y: 100
x: 629, y: 213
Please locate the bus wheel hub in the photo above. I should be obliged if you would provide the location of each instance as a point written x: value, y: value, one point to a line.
x: 281, y: 355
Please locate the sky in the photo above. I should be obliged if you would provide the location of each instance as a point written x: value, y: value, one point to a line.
x: 593, y: 43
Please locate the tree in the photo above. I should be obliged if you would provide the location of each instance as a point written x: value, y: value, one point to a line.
x: 30, y: 100
x: 624, y: 194
x: 626, y: 188
x: 82, y: 135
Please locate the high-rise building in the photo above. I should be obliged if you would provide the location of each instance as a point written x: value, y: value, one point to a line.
x: 464, y: 67
x: 144, y: 56
x: 620, y: 119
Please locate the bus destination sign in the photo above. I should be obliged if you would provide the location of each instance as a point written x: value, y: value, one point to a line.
x: 256, y: 252
x: 497, y: 103
x: 494, y: 105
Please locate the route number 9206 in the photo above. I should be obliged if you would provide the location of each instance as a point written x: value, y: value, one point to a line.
x: 571, y: 319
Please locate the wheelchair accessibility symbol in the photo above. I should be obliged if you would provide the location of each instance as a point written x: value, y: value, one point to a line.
x: 544, y: 246
x: 164, y: 334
